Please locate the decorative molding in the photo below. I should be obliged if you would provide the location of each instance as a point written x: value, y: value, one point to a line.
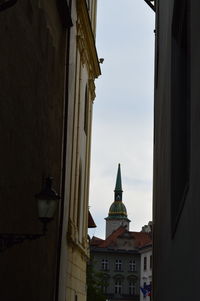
x: 91, y: 86
x: 132, y: 277
x: 86, y: 41
x: 72, y: 238
x: 85, y: 243
x: 118, y: 276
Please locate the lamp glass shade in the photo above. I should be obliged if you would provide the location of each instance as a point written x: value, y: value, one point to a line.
x: 47, y: 200
x: 46, y: 208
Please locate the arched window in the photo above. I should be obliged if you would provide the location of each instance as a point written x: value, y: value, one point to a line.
x: 79, y: 198
x: 131, y: 288
x: 86, y: 108
x: 88, y: 4
x: 105, y: 283
x: 118, y: 286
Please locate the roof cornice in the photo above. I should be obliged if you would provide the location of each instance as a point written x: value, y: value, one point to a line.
x: 86, y: 41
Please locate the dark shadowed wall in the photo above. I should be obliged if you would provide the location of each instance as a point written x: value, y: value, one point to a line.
x: 32, y: 79
x: 176, y: 152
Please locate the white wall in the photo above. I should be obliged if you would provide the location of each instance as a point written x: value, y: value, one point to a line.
x: 145, y: 275
x: 112, y: 225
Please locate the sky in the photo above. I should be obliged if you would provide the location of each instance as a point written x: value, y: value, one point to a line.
x: 122, y: 130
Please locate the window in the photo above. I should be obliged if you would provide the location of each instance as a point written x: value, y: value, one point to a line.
x: 132, y: 265
x: 79, y: 218
x: 145, y: 263
x: 180, y: 109
x: 144, y: 288
x: 118, y: 287
x: 131, y: 288
x: 86, y: 111
x: 88, y: 4
x: 118, y: 264
x: 105, y: 283
x: 150, y: 261
x: 104, y: 288
x: 104, y: 264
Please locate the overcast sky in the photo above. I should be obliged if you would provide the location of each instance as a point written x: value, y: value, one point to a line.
x: 123, y: 111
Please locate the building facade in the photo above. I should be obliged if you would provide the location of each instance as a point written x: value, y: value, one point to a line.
x: 118, y: 256
x: 176, y: 151
x: 146, y: 264
x: 84, y: 68
x: 48, y: 65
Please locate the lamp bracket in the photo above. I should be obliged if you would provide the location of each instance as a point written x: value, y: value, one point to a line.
x: 7, y: 240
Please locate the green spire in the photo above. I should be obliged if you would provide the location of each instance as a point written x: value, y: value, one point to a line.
x: 117, y: 209
x: 118, y: 187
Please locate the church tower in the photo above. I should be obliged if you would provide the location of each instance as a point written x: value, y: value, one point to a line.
x: 117, y: 215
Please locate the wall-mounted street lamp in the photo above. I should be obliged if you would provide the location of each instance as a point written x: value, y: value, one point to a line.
x: 47, y: 200
x: 4, y: 4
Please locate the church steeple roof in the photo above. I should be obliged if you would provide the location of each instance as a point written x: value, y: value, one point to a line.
x: 118, y: 187
x: 117, y: 209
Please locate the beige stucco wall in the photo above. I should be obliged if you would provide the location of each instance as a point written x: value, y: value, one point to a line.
x: 76, y: 276
x: 83, y: 69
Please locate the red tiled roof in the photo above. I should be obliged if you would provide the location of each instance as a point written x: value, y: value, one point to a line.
x: 141, y: 238
x: 95, y: 241
x: 112, y: 237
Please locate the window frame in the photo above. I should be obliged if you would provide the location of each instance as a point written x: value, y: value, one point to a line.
x: 145, y: 263
x: 131, y: 288
x: 118, y: 287
x: 118, y: 265
x: 104, y: 264
x: 86, y: 110
x: 132, y: 265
